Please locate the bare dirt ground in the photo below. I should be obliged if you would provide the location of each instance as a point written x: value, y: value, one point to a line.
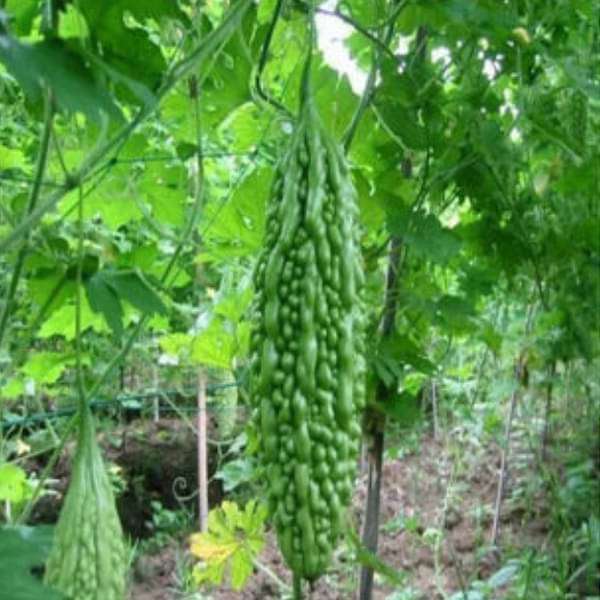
x: 436, y: 515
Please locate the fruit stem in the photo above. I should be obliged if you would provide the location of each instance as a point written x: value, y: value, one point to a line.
x: 297, y: 586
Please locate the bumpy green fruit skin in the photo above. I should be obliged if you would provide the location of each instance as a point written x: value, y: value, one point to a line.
x: 88, y: 559
x: 307, y: 346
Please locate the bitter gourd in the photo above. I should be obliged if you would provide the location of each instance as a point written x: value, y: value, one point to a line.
x: 88, y: 557
x: 307, y: 345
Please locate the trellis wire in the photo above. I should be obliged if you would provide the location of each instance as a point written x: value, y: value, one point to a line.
x: 121, y: 400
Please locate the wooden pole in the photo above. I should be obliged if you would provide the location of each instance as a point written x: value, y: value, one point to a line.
x: 434, y: 408
x: 202, y: 453
x: 375, y: 426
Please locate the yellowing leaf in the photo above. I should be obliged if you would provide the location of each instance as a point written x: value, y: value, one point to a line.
x: 205, y: 547
x: 522, y: 35
x: 22, y: 448
x: 233, y: 539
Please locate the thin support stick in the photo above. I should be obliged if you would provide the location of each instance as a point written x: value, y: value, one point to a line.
x: 548, y: 411
x: 156, y: 399
x: 375, y: 426
x: 434, y: 408
x: 271, y: 575
x: 198, y: 182
x: 202, y: 454
x: 503, y: 470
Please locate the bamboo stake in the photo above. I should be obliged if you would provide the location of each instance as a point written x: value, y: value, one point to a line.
x: 202, y: 453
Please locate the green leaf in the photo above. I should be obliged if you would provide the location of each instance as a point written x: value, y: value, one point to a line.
x: 363, y: 11
x: 455, y: 313
x: 235, y: 473
x: 504, y: 576
x: 13, y: 388
x: 167, y: 202
x: 237, y: 228
x: 234, y: 538
x: 186, y: 150
x: 214, y: 346
x: 131, y: 286
x: 134, y: 89
x: 46, y: 367
x: 51, y: 63
x: 126, y: 48
x: 227, y: 88
x: 229, y: 83
x: 13, y: 483
x: 491, y: 337
x: 233, y: 306
x: 265, y: 11
x: 62, y: 321
x: 425, y: 234
x: 176, y: 344
x: 372, y: 213
x: 402, y: 350
x: 13, y: 159
x: 405, y: 124
x: 23, y: 13
x: 72, y: 24
x: 404, y: 409
x: 113, y: 201
x: 104, y: 299
x: 367, y: 558
x: 23, y: 549
x: 333, y: 94
x: 245, y: 127
x: 241, y: 568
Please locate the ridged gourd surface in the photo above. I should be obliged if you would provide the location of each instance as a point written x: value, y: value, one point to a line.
x: 307, y: 345
x: 88, y: 559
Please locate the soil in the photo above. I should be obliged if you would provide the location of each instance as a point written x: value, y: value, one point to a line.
x: 444, y: 490
x: 155, y: 461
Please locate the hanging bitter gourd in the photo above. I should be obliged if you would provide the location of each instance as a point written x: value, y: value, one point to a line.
x: 307, y: 345
x: 88, y: 559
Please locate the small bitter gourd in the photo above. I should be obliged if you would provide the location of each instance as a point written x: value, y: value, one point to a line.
x: 88, y: 557
x: 307, y: 345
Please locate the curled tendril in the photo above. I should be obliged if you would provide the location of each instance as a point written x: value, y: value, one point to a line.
x: 180, y: 483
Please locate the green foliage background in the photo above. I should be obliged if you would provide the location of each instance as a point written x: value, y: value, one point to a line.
x: 478, y: 150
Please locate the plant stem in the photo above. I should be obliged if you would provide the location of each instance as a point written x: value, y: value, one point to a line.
x: 33, y: 198
x: 204, y: 51
x: 359, y: 28
x: 262, y: 62
x: 297, y: 587
x: 270, y: 574
x: 78, y: 350
x: 47, y: 470
x: 369, y: 91
x: 375, y: 425
x: 202, y: 452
